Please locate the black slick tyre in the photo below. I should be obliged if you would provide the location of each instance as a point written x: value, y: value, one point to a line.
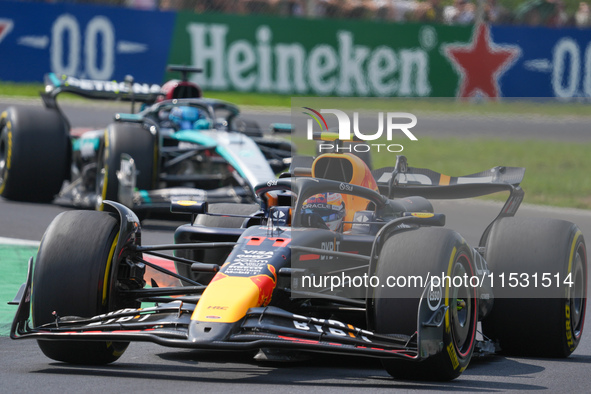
x: 131, y: 139
x: 415, y: 253
x: 34, y: 148
x: 71, y: 277
x: 544, y: 317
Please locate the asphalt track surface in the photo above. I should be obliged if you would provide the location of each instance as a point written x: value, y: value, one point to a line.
x: 151, y: 368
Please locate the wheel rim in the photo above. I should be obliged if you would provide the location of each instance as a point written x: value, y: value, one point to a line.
x: 577, y: 294
x: 101, y: 178
x: 100, y: 188
x: 462, y: 310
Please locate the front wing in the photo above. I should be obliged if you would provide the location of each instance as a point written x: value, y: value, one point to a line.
x: 170, y: 325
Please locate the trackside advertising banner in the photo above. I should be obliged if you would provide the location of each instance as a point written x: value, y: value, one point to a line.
x: 294, y: 56
x: 102, y: 43
x: 323, y: 57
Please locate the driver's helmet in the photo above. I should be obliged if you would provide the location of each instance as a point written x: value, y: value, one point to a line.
x: 175, y: 89
x: 329, y: 206
x: 187, y: 118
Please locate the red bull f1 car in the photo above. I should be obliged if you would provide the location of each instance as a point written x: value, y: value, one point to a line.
x: 261, y: 276
x: 179, y: 145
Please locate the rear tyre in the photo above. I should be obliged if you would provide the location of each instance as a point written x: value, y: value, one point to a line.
x: 34, y: 148
x: 131, y: 139
x: 394, y: 311
x: 550, y: 325
x: 72, y: 277
x: 218, y: 255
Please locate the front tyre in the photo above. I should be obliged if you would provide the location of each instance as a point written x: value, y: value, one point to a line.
x: 418, y: 253
x: 71, y: 277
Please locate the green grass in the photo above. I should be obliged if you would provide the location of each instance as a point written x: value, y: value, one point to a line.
x: 14, y: 89
x: 556, y: 173
x: 545, y: 107
x: 256, y: 99
x: 13, y: 273
x: 448, y: 105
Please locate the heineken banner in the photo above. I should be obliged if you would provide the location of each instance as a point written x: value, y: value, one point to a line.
x: 321, y: 57
x: 294, y: 56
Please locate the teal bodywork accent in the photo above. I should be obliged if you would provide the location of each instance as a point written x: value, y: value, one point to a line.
x: 77, y: 144
x: 201, y: 139
x: 145, y: 196
x: 285, y: 128
x: 135, y: 118
x: 55, y: 80
x: 195, y: 137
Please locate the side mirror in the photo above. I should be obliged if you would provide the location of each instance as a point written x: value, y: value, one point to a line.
x: 282, y: 128
x: 188, y: 206
x: 131, y: 118
x: 426, y: 218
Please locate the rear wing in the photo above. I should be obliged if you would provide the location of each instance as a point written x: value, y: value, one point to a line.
x: 404, y: 181
x: 98, y: 90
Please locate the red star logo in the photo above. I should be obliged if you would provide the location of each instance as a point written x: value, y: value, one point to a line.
x: 481, y: 63
x: 5, y: 28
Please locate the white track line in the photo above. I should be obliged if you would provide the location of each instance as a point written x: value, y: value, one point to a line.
x: 18, y: 242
